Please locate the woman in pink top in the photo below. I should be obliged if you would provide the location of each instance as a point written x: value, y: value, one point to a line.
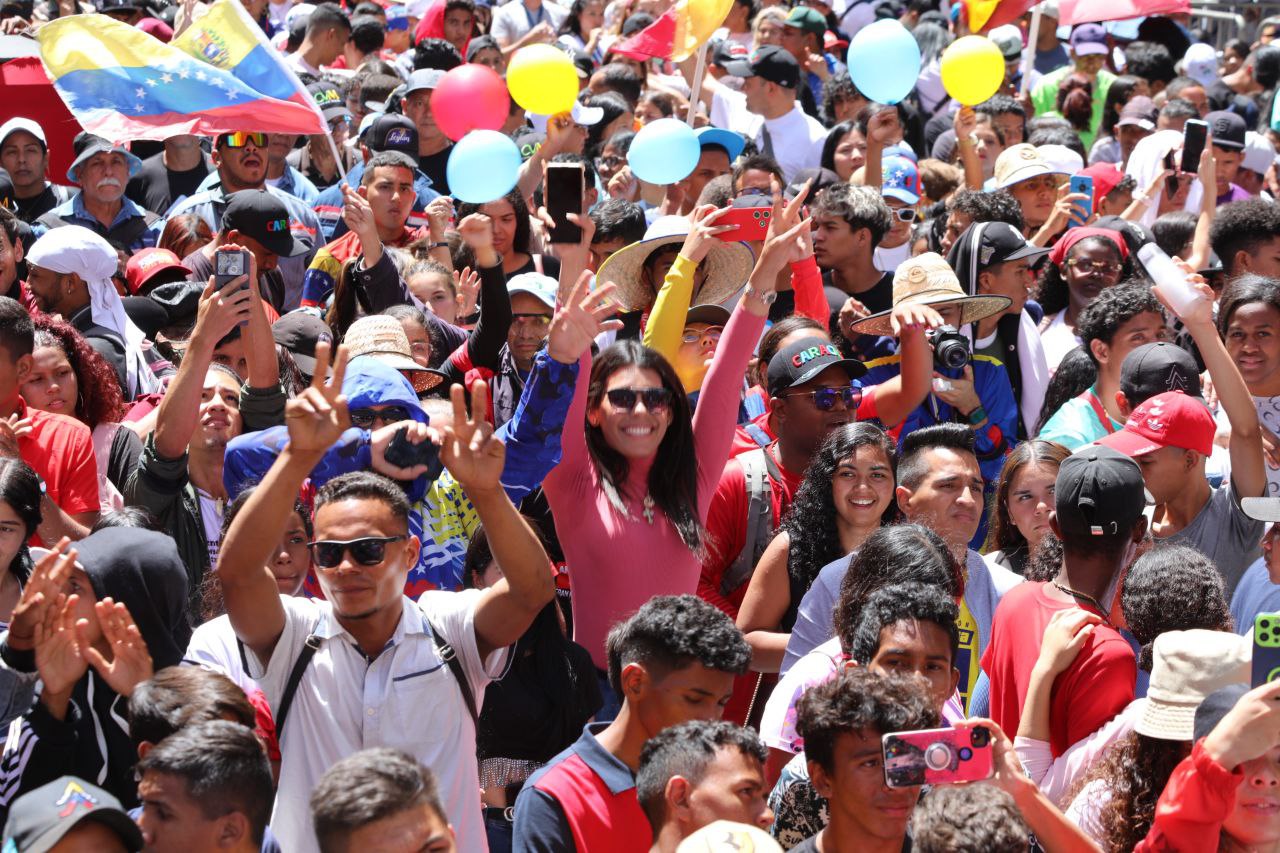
x: 634, y: 484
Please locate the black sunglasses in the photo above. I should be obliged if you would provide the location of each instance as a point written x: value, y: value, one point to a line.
x: 369, y: 551
x: 655, y: 399
x: 825, y: 398
x: 366, y: 418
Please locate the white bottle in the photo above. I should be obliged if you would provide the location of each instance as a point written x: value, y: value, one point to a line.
x: 1170, y: 281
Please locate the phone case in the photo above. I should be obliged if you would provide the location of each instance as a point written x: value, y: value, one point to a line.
x: 937, y: 757
x: 1082, y: 184
x: 752, y: 222
x: 1266, y: 648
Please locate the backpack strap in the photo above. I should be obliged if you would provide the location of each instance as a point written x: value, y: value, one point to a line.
x: 450, y: 657
x: 309, y: 649
x: 757, y: 467
x: 757, y: 433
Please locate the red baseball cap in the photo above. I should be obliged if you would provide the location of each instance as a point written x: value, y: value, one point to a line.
x: 147, y: 264
x: 1171, y: 419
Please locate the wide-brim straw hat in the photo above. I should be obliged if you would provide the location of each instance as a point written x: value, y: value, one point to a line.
x: 382, y: 337
x: 929, y: 280
x: 1187, y: 666
x: 728, y: 266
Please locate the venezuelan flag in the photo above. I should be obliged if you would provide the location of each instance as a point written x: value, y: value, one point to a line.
x: 121, y: 83
x: 678, y: 32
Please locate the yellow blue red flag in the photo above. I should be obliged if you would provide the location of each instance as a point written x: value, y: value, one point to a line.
x: 122, y: 83
x: 678, y: 32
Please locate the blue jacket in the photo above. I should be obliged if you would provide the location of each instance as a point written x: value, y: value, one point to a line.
x: 328, y: 205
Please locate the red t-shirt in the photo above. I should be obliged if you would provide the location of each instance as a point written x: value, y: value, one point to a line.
x: 60, y: 449
x: 1097, y: 686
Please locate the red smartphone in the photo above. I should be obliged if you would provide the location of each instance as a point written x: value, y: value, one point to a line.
x: 752, y: 222
x: 937, y: 757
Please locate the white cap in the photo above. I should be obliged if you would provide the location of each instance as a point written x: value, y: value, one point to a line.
x: 301, y: 10
x: 1061, y: 159
x: 26, y: 124
x: 539, y: 286
x: 1200, y: 63
x: 584, y: 115
x: 1259, y: 153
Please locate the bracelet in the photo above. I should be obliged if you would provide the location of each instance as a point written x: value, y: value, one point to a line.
x: 977, y: 416
x: 443, y: 244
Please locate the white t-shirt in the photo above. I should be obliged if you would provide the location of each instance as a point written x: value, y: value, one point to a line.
x: 887, y: 260
x: 797, y: 137
x: 214, y: 646
x: 406, y: 699
x: 513, y: 20
x: 1058, y: 340
x: 211, y: 517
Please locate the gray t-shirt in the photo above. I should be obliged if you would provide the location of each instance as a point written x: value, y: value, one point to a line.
x: 983, y: 589
x: 1224, y: 534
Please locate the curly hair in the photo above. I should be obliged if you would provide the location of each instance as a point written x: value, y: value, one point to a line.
x: 811, y: 521
x: 686, y: 750
x: 1243, y: 226
x: 1005, y: 535
x: 1172, y: 588
x: 900, y: 553
x: 1112, y: 308
x: 104, y: 404
x: 980, y: 206
x: 1046, y: 560
x: 860, y: 700
x: 670, y: 632
x: 1134, y: 772
x: 838, y: 87
x: 901, y: 602
x: 977, y: 818
x: 1052, y: 292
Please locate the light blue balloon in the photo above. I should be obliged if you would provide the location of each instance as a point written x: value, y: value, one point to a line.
x: 884, y: 61
x: 664, y: 151
x: 483, y: 167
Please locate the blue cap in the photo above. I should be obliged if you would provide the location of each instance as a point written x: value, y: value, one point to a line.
x: 900, y: 179
x: 726, y: 139
x: 397, y: 18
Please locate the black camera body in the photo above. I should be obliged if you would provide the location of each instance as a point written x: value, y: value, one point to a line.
x: 951, y: 350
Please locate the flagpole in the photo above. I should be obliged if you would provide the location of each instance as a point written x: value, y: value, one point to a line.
x: 1029, y: 52
x: 695, y: 93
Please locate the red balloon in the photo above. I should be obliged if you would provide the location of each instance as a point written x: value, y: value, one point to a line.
x: 470, y: 97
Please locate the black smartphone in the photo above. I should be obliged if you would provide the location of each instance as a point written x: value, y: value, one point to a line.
x: 230, y: 264
x: 563, y: 195
x: 403, y: 453
x: 1194, y: 135
x: 1171, y: 182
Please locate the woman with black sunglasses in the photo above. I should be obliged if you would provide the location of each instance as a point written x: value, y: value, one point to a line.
x: 637, y: 472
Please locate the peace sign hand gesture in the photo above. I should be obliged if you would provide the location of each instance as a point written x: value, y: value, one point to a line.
x: 318, y: 416
x: 470, y: 451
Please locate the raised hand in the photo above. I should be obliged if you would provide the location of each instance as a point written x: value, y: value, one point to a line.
x: 220, y: 311
x: 904, y: 318
x: 583, y: 315
x: 703, y: 231
x: 130, y: 662
x: 1200, y: 312
x: 883, y: 127
x: 624, y: 185
x: 58, y: 659
x: 470, y: 451
x: 13, y: 428
x: 785, y: 225
x: 318, y: 416
x: 965, y: 122
x: 439, y: 214
x: 476, y: 231
x: 43, y: 589
x: 357, y: 213
x: 1064, y: 637
x: 467, y: 284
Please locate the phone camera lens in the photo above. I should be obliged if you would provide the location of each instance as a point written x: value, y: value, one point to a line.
x: 981, y: 736
x: 937, y: 756
x: 965, y: 753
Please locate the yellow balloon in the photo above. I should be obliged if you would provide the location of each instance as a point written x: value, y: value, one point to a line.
x: 972, y: 69
x: 542, y: 79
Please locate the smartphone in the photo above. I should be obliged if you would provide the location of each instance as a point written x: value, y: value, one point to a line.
x: 1171, y: 182
x: 229, y: 264
x: 937, y: 757
x: 1082, y: 184
x: 563, y: 195
x: 752, y: 220
x: 1194, y: 135
x: 403, y: 453
x: 1266, y: 648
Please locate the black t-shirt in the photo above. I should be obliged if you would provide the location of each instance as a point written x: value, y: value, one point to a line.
x: 156, y: 187
x: 550, y: 267
x: 31, y: 209
x: 878, y: 298
x: 433, y: 166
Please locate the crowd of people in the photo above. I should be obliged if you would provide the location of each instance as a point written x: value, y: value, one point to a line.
x: 340, y: 513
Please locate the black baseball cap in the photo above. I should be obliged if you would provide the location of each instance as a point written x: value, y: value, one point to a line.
x: 1215, y: 706
x: 392, y: 132
x: 805, y: 359
x: 39, y: 819
x: 725, y: 51
x: 262, y: 216
x: 984, y: 244
x: 329, y: 101
x: 1099, y: 492
x: 770, y: 63
x: 1152, y: 369
x: 1227, y: 128
x: 299, y: 332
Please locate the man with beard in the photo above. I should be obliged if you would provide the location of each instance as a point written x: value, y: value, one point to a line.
x: 24, y: 153
x: 103, y: 170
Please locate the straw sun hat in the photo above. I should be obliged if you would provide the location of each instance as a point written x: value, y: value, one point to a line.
x: 728, y: 266
x: 1187, y: 667
x: 381, y: 337
x: 929, y: 280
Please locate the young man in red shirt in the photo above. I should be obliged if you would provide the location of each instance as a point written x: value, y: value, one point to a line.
x: 1099, y: 499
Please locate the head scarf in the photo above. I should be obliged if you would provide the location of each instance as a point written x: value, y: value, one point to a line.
x: 1075, y: 235
x: 142, y: 570
x: 75, y: 250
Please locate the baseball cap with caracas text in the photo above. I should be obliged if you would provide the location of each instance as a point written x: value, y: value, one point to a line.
x: 262, y: 216
x: 1169, y: 419
x: 805, y: 359
x: 1098, y: 492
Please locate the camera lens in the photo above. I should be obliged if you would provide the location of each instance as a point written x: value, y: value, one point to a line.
x: 965, y: 753
x: 937, y: 756
x: 981, y: 736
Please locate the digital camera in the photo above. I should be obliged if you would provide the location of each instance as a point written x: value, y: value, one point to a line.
x: 951, y: 350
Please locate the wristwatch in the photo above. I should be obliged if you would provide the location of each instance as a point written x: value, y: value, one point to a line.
x: 977, y: 416
x: 767, y: 298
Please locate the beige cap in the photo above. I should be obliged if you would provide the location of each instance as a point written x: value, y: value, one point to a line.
x: 1187, y: 667
x: 726, y: 836
x: 929, y: 280
x: 1020, y: 162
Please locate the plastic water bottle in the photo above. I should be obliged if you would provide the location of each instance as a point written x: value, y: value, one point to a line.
x: 1170, y: 281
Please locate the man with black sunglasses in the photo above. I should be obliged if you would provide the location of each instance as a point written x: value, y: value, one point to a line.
x: 382, y: 675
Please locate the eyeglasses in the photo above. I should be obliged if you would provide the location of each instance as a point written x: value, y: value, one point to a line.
x: 1099, y: 267
x: 241, y: 138
x: 369, y: 551
x: 905, y: 214
x: 693, y: 336
x: 537, y: 321
x: 655, y: 399
x: 824, y: 399
x: 605, y: 163
x: 366, y: 418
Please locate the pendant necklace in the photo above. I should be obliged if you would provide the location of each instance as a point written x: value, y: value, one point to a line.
x: 1085, y: 597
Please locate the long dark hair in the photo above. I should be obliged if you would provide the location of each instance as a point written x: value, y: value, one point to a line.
x: 1122, y: 89
x: 834, y: 137
x: 811, y: 520
x: 572, y: 24
x: 1053, y: 293
x: 520, y: 240
x: 614, y: 105
x: 99, y: 400
x: 1075, y: 101
x: 348, y: 299
x: 1005, y: 535
x: 20, y: 489
x: 673, y: 479
x: 1134, y: 773
x: 1076, y: 373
